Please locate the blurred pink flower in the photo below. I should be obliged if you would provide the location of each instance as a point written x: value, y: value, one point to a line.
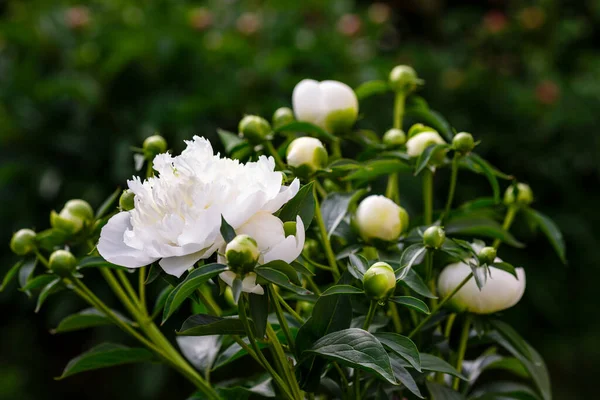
x: 77, y: 17
x: 349, y: 24
x: 547, y: 92
x: 495, y: 21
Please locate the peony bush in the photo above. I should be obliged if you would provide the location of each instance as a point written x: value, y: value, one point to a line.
x: 297, y: 265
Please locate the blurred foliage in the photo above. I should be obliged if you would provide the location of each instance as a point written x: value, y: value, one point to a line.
x: 81, y: 82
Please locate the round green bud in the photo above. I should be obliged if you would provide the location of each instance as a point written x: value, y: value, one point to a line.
x: 289, y: 228
x: 254, y: 128
x: 394, y: 137
x: 524, y: 195
x: 487, y: 255
x: 282, y: 116
x: 418, y: 128
x: 80, y: 209
x: 154, y: 145
x: 126, y: 201
x: 463, y: 142
x: 404, y: 219
x: 65, y: 221
x: 62, y: 262
x: 379, y: 281
x: 434, y: 237
x: 23, y: 242
x: 242, y: 254
x: 403, y: 79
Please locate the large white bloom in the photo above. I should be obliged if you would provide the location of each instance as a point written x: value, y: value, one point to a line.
x: 501, y: 291
x: 419, y: 142
x: 332, y: 105
x: 267, y: 230
x: 177, y: 215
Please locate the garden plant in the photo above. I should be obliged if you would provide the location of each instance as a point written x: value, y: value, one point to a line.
x: 285, y: 254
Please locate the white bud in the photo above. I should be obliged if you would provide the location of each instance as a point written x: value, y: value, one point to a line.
x: 306, y: 153
x: 242, y: 253
x: 332, y: 105
x: 419, y: 142
x: 501, y: 290
x: 378, y: 217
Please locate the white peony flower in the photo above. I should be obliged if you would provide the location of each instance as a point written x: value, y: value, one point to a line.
x: 332, y: 105
x: 501, y: 291
x: 177, y: 215
x: 419, y: 142
x: 378, y: 217
x: 267, y: 230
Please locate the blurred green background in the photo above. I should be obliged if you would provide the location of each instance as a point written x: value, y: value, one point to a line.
x: 81, y: 82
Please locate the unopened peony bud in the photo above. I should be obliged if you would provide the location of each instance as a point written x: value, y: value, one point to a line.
x: 282, y: 116
x: 254, y: 128
x: 154, y: 145
x: 403, y: 79
x: 242, y: 254
x: 379, y: 218
x: 23, y: 242
x: 379, y: 281
x: 306, y: 155
x: 332, y: 105
x: 463, y: 142
x: 524, y: 195
x: 65, y: 221
x: 418, y: 128
x: 126, y: 201
x: 419, y: 142
x: 501, y: 290
x: 62, y: 262
x: 487, y: 255
x: 394, y: 137
x: 80, y: 209
x: 434, y: 237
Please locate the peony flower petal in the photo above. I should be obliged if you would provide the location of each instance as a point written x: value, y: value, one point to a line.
x: 265, y: 228
x: 112, y: 247
x: 290, y: 248
x: 249, y: 284
x: 178, y: 265
x: 227, y: 277
x: 286, y: 194
x: 418, y: 143
x: 200, y: 351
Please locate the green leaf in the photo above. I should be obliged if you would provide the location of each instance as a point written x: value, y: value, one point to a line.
x: 334, y: 208
x: 412, y: 255
x: 300, y: 268
x: 508, y: 338
x: 441, y: 392
x: 153, y: 272
x: 192, y: 282
x: 433, y: 363
x: 26, y: 270
x: 88, y: 318
x: 356, y: 348
x: 106, y: 355
x: 307, y: 128
x: 402, y: 375
x: 371, y: 88
x: 259, y: 312
x: 227, y: 231
x: 504, y: 266
x: 551, y: 230
x: 97, y: 261
x: 342, y: 289
x: 303, y: 204
x: 230, y: 140
x: 411, y: 302
x: 280, y: 279
x: 430, y: 152
x: 204, y: 324
x: 402, y: 346
x: 477, y: 226
x: 11, y: 274
x: 430, y: 118
x: 374, y: 169
x: 106, y: 204
x: 504, y: 391
x: 162, y: 299
x: 287, y: 269
x: 480, y: 166
x: 38, y: 282
x: 52, y: 287
x: 358, y: 266
x: 414, y: 282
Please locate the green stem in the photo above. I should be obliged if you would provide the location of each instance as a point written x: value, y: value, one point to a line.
x: 212, y: 307
x: 273, y: 152
x: 367, y: 323
x: 142, y: 289
x: 395, y: 317
x: 283, y: 362
x: 449, y: 323
x: 288, y: 307
x: 118, y: 290
x: 440, y: 305
x: 281, y: 317
x: 336, y: 150
x: 42, y: 259
x: 325, y: 239
x: 452, y: 189
x: 313, y: 285
x: 462, y: 348
x: 508, y: 220
x: 392, y: 184
x: 263, y: 361
x: 427, y: 196
x: 320, y: 189
x: 129, y: 289
x: 314, y: 263
x: 430, y: 278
